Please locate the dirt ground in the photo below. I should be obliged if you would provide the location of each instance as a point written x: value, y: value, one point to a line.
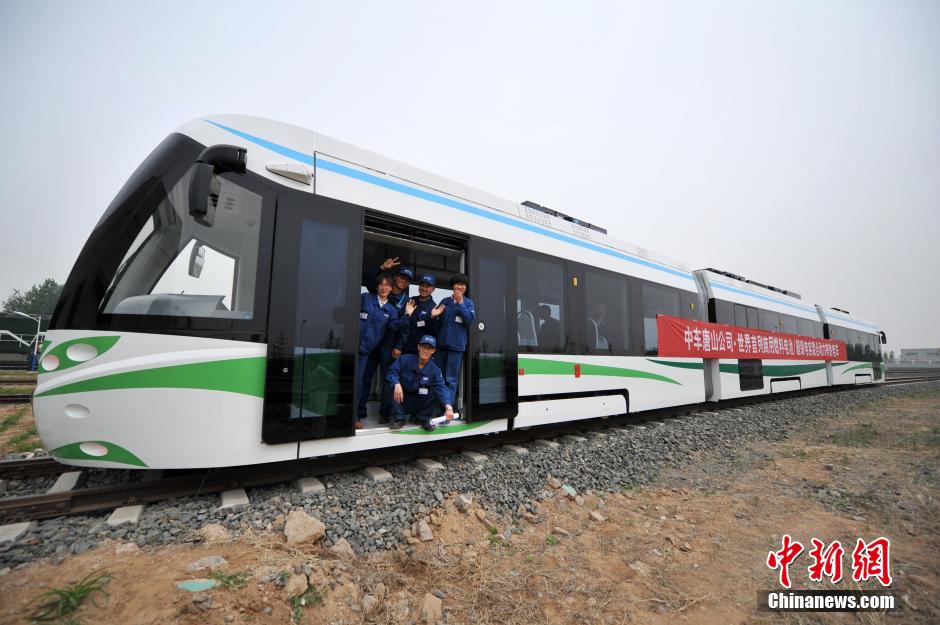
x: 690, y: 548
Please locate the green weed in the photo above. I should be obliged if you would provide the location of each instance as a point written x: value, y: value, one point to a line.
x: 551, y: 539
x: 297, y: 604
x: 235, y: 581
x: 62, y: 604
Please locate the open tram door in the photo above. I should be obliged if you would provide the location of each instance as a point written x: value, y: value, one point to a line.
x: 492, y: 355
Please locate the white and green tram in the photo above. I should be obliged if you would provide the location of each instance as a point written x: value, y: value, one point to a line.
x: 212, y: 317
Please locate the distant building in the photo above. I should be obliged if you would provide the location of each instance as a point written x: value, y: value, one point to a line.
x: 920, y: 357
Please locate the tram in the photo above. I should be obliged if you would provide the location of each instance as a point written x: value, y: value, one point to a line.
x: 211, y: 318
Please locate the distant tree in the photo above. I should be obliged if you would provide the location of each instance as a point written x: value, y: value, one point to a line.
x: 891, y: 355
x: 39, y: 300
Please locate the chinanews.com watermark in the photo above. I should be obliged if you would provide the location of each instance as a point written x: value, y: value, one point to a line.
x: 869, y: 561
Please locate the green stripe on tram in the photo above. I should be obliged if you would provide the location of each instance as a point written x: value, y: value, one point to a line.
x: 538, y: 366
x: 238, y: 375
x: 442, y: 429
x: 115, y: 453
x: 866, y: 365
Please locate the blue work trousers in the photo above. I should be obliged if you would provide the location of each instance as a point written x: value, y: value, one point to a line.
x: 449, y: 362
x: 423, y: 408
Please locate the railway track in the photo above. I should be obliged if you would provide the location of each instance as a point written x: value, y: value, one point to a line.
x: 15, y: 399
x: 158, y: 485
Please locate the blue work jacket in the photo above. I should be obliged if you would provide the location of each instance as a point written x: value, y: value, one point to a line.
x: 375, y: 320
x: 455, y: 324
x: 405, y: 371
x: 419, y: 324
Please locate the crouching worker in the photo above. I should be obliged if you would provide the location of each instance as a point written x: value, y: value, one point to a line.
x: 418, y: 389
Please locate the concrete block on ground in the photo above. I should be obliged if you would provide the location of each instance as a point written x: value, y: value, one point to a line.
x: 542, y: 442
x: 309, y: 486
x: 377, y: 474
x: 426, y: 464
x: 234, y: 497
x: 573, y: 438
x: 516, y: 449
x: 474, y: 456
x: 66, y: 482
x: 15, y: 530
x: 125, y: 514
x: 658, y: 424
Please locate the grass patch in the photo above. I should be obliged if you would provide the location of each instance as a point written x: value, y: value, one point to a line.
x: 13, y: 419
x: 8, y: 389
x: 297, y: 604
x: 551, y: 539
x: 25, y: 441
x: 235, y: 581
x: 62, y: 604
x: 862, y: 435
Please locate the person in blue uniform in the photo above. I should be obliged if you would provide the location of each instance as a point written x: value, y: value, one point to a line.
x: 418, y: 387
x: 455, y: 322
x: 398, y: 298
x: 400, y: 284
x: 377, y: 317
x: 422, y: 314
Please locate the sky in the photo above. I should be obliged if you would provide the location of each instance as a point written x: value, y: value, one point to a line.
x: 796, y: 143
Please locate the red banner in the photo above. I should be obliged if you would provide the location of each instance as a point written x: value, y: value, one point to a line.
x: 686, y: 338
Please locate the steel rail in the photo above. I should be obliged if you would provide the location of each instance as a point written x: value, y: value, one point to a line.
x: 15, y: 399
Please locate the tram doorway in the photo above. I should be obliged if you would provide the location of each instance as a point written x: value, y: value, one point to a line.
x: 390, y: 246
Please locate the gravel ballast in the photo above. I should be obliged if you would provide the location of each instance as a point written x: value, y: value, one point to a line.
x: 372, y: 516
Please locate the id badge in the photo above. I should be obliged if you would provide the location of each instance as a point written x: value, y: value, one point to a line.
x: 458, y: 319
x: 420, y: 324
x: 363, y: 315
x: 422, y: 391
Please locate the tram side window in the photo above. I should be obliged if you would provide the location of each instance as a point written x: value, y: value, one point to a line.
x: 753, y: 321
x: 721, y: 311
x: 740, y: 315
x: 809, y: 327
x: 656, y: 300
x: 540, y: 305
x: 688, y: 304
x: 769, y: 321
x: 607, y: 310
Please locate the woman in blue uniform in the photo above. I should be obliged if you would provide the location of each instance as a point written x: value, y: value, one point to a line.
x: 377, y: 315
x: 455, y: 322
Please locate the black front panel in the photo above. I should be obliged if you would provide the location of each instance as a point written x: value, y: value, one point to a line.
x: 313, y: 330
x: 493, y: 351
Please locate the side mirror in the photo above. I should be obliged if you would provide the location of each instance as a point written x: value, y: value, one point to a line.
x: 197, y: 260
x: 884, y: 339
x: 221, y: 157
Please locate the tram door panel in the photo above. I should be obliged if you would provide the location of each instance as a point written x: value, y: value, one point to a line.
x: 492, y: 354
x: 313, y: 320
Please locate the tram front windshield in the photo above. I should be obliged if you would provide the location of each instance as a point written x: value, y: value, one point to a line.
x: 177, y: 266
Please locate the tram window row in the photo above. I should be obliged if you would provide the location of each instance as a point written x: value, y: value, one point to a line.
x: 861, y: 346
x: 721, y: 311
x: 564, y: 307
